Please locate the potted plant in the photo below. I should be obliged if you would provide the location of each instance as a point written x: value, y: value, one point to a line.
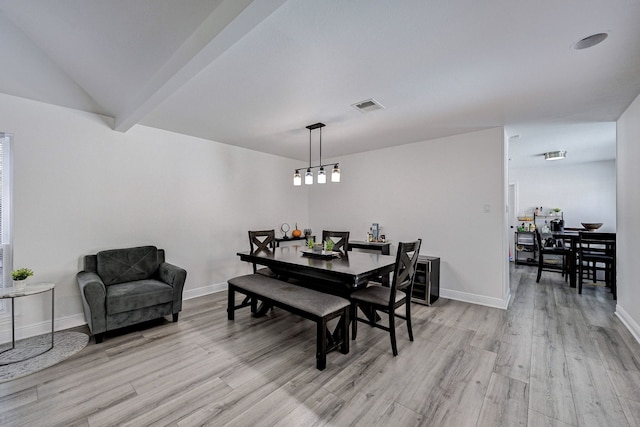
x: 328, y: 245
x: 20, y: 276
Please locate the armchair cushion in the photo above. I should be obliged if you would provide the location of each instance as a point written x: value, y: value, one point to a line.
x: 129, y: 296
x: 127, y: 265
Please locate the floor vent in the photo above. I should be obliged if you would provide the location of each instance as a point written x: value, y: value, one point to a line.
x: 367, y: 105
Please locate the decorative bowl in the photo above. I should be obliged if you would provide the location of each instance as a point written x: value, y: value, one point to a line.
x: 591, y: 226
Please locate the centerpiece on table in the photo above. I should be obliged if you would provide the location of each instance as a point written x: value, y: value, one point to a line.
x: 20, y: 277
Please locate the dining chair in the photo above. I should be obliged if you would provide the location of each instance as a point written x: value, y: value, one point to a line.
x: 597, y: 252
x: 548, y: 258
x: 262, y: 241
x: 389, y: 299
x: 340, y: 240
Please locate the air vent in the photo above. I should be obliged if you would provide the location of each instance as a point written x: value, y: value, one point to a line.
x: 367, y: 105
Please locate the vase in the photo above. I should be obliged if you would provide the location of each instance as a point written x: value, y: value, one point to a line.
x: 19, y: 285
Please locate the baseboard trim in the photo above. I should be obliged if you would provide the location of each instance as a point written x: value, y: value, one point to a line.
x: 60, y: 323
x: 629, y: 322
x: 205, y: 290
x: 76, y: 320
x: 476, y: 299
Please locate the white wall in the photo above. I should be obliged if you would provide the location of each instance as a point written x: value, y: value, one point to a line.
x: 80, y: 187
x: 628, y: 233
x: 436, y: 190
x: 585, y: 192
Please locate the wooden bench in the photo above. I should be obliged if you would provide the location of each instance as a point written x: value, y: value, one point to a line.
x: 313, y: 305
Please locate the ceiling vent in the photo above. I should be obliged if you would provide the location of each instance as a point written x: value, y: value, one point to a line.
x: 367, y: 105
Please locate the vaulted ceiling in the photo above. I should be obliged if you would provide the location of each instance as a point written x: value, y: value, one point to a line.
x: 255, y: 73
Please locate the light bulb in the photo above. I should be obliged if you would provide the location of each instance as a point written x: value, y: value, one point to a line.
x: 335, y: 174
x: 322, y: 176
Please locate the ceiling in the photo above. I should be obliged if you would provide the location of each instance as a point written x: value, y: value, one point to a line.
x: 255, y: 73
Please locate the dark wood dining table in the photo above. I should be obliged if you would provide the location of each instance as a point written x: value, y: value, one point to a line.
x: 341, y: 275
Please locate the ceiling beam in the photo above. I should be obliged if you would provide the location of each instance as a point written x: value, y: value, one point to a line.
x: 227, y: 24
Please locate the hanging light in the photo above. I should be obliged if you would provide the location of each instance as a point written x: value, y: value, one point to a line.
x: 335, y: 174
x: 322, y: 177
x: 322, y: 174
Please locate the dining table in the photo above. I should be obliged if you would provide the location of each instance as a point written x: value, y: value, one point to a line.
x: 339, y: 273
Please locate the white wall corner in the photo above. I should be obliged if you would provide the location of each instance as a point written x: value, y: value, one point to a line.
x: 629, y: 322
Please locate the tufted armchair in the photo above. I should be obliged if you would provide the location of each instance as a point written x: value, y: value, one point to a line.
x: 123, y: 287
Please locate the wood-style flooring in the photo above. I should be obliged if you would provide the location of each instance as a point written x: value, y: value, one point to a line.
x: 554, y: 358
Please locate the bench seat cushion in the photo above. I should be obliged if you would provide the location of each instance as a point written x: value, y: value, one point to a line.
x: 129, y: 296
x: 313, y: 302
x: 377, y: 295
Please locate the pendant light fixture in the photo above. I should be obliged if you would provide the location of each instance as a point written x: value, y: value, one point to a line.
x: 322, y: 174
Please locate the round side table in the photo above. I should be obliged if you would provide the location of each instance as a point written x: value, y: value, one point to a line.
x: 12, y: 293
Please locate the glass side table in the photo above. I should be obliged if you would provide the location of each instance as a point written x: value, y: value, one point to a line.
x: 12, y: 293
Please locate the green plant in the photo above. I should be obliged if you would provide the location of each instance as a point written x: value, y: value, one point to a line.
x: 328, y: 245
x: 557, y: 209
x: 310, y: 242
x: 21, y: 273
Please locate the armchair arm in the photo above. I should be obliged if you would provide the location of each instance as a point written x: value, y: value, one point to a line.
x: 94, y: 295
x: 174, y: 276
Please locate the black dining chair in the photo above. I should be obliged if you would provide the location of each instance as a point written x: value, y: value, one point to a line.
x: 549, y: 255
x: 389, y: 299
x: 597, y: 252
x: 340, y: 240
x: 262, y: 241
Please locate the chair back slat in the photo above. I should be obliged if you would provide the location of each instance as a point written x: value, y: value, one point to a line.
x: 340, y: 240
x: 405, y: 268
x: 261, y: 241
x: 597, y: 243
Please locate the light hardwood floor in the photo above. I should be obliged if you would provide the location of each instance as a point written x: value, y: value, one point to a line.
x: 554, y: 358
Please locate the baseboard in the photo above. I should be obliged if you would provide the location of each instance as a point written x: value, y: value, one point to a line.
x: 40, y: 328
x: 75, y: 320
x: 628, y: 321
x: 205, y: 290
x: 476, y: 299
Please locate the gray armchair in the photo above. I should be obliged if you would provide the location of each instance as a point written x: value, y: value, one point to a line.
x: 123, y: 287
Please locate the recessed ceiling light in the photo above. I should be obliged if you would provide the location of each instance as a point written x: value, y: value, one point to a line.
x: 590, y: 41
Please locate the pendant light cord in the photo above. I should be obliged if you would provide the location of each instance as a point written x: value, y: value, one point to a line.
x: 309, y: 149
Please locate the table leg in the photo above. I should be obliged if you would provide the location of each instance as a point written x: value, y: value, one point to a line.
x: 52, y: 315
x: 262, y: 310
x: 573, y: 264
x: 13, y: 324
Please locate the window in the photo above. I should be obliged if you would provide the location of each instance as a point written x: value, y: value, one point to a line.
x: 5, y: 211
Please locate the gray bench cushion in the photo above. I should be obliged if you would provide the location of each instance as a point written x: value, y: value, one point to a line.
x: 313, y: 302
x: 129, y: 296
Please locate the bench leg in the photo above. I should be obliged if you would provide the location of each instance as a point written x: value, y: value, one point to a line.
x: 231, y: 303
x: 344, y: 320
x: 321, y: 345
